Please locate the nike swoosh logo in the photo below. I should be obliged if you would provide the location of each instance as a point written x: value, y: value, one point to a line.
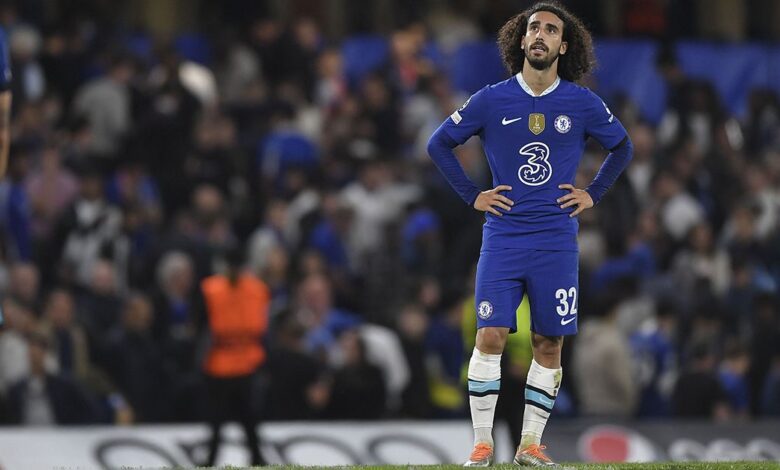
x: 506, y: 121
x: 566, y: 322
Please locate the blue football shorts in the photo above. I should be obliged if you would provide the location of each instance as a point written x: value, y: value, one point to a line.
x: 550, y: 279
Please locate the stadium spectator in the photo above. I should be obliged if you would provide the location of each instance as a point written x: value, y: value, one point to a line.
x: 444, y: 356
x: 99, y: 306
x: 765, y: 338
x: 679, y: 210
x: 698, y: 392
x: 732, y: 374
x: 105, y: 102
x: 88, y: 229
x: 268, y: 237
x: 46, y: 398
x: 175, y: 305
x: 70, y: 348
x: 24, y: 282
x: 602, y: 363
x: 654, y: 360
x: 51, y: 188
x: 29, y: 84
x: 770, y: 396
x: 330, y: 237
x: 177, y: 329
x: 135, y: 362
x: 702, y: 267
x: 296, y: 379
x: 382, y: 349
x: 237, y: 308
x: 323, y: 321
x: 358, y: 387
x: 14, y: 358
x: 66, y: 337
x: 15, y: 213
x: 413, y: 323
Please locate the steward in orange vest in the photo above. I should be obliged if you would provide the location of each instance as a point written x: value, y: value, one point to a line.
x: 237, y: 308
x: 238, y: 317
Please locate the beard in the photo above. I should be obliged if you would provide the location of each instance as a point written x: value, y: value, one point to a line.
x: 540, y: 63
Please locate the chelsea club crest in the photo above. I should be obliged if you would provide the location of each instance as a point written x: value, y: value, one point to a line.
x: 485, y: 310
x: 563, y: 124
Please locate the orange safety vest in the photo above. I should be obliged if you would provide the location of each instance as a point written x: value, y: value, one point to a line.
x: 238, y: 317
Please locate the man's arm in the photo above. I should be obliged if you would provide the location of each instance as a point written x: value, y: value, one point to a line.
x: 455, y: 130
x: 440, y: 148
x: 613, y: 166
x: 602, y: 125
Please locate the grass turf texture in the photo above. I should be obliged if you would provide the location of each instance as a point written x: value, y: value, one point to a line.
x: 564, y: 466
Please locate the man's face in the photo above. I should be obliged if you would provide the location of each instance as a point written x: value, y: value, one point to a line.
x: 543, y: 40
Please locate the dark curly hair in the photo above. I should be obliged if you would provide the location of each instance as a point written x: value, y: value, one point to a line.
x: 579, y: 58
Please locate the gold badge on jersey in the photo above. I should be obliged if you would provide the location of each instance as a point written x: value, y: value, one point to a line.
x: 536, y: 123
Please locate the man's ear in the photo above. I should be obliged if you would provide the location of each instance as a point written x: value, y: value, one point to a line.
x: 562, y: 49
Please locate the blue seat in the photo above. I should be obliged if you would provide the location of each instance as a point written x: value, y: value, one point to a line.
x: 362, y: 55
x: 475, y: 65
x: 193, y: 46
x: 282, y: 150
x: 139, y: 44
x: 628, y: 67
x: 432, y: 52
x: 734, y: 69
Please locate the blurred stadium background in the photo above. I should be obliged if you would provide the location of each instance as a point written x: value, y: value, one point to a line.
x: 149, y: 136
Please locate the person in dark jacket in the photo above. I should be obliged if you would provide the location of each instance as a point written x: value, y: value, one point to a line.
x: 44, y: 398
x: 358, y: 390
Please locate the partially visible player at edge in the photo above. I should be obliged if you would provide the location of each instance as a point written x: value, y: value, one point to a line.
x: 533, y: 128
x: 5, y: 110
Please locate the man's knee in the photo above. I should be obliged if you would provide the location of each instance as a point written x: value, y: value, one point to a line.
x: 547, y: 345
x: 491, y: 340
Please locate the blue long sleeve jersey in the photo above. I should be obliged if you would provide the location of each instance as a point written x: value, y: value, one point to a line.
x: 533, y: 144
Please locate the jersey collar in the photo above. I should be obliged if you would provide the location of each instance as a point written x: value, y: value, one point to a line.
x: 528, y: 90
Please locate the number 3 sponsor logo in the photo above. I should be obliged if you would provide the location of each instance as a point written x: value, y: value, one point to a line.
x: 537, y: 169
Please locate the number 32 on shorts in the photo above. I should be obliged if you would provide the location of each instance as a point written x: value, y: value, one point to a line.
x: 568, y: 304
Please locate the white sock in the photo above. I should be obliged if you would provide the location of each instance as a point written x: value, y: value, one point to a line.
x: 541, y: 389
x: 484, y: 385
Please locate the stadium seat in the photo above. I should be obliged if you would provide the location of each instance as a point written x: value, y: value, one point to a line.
x: 629, y: 67
x: 734, y: 69
x: 194, y: 46
x: 139, y: 44
x: 362, y: 55
x: 475, y: 65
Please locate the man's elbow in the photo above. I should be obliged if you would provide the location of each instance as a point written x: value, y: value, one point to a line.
x: 629, y: 149
x: 440, y: 141
x: 433, y: 144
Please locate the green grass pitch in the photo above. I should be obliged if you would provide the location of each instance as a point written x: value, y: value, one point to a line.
x: 564, y: 466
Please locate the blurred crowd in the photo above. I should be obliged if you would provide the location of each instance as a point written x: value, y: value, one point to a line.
x: 130, y: 177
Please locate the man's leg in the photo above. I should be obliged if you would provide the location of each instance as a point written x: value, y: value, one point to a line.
x: 509, y: 407
x: 542, y: 384
x: 484, y: 385
x: 544, y: 380
x: 248, y: 419
x: 498, y: 292
x: 552, y: 293
x: 218, y: 399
